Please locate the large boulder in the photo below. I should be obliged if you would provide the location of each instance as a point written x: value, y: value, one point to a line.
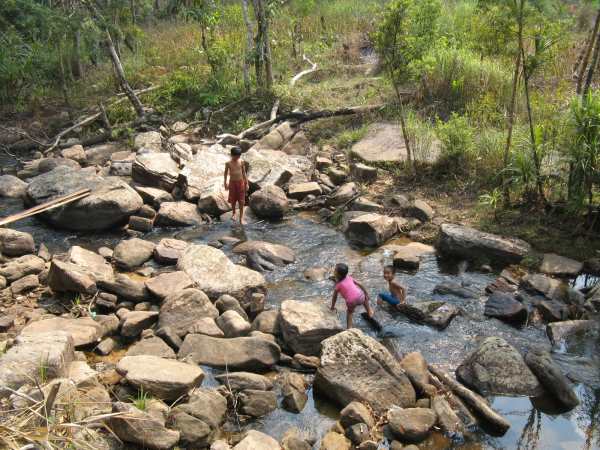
x: 203, y: 171
x: 243, y: 353
x: 497, y: 368
x: 215, y: 274
x: 12, y: 187
x: 178, y: 214
x: 409, y: 256
x: 305, y: 325
x: 371, y: 230
x: 132, y: 253
x: 355, y: 367
x: 269, y: 202
x: 469, y: 243
x: 273, y: 167
x: 383, y: 143
x: 141, y: 428
x: 15, y: 243
x: 68, y: 277
x: 168, y: 251
x: 164, y: 378
x: 155, y: 169
x: 90, y: 262
x: 274, y: 253
x: 21, y: 363
x: 561, y: 266
x: 84, y: 331
x: 181, y: 310
x: 213, y: 199
x: 300, y: 190
x: 154, y: 196
x: 168, y: 283
x: 110, y: 202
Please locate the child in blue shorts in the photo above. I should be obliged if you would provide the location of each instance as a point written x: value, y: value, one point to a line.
x: 397, y: 294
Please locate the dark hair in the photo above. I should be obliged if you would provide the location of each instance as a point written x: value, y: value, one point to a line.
x: 391, y: 268
x: 342, y: 270
x: 236, y: 151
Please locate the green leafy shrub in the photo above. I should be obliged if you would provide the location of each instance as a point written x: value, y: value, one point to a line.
x: 458, y: 144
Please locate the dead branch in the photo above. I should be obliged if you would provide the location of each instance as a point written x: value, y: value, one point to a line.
x: 296, y: 78
x: 275, y: 109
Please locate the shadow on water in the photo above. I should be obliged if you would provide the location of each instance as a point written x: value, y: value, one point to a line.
x: 535, y: 423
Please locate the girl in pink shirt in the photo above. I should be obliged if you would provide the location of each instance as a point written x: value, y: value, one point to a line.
x: 351, y: 290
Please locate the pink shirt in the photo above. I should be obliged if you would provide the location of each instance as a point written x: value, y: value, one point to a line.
x: 349, y: 290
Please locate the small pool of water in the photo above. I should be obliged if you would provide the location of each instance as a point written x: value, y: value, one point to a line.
x: 534, y: 424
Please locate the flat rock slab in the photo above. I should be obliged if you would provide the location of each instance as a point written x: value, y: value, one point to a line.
x: 305, y: 325
x: 497, y: 368
x: 169, y: 283
x: 90, y: 262
x: 561, y: 266
x: 84, y: 330
x: 469, y: 243
x: 215, y: 274
x: 383, y: 143
x: 244, y: 353
x: 163, y: 378
x: 155, y: 169
x: 21, y: 363
x: 355, y: 367
x: 110, y: 203
x: 274, y: 253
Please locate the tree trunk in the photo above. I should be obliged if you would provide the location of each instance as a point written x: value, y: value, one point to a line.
x: 77, y: 66
x: 511, y: 120
x: 120, y: 74
x: 267, y: 47
x: 588, y: 52
x: 409, y: 155
x: 259, y: 52
x: 592, y: 67
x: 63, y: 76
x: 249, y: 45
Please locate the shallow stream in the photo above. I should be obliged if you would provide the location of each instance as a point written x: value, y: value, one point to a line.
x: 536, y: 423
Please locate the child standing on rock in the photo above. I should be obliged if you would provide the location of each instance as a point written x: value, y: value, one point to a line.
x: 351, y: 290
x: 238, y: 182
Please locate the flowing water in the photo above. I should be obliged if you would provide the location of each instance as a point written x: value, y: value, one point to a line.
x: 536, y: 423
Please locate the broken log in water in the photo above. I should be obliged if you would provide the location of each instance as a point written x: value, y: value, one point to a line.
x: 476, y: 401
x: 57, y: 202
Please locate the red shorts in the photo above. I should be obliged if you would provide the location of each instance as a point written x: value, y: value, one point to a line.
x: 237, y: 191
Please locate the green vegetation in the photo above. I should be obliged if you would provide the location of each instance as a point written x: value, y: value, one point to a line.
x: 140, y: 401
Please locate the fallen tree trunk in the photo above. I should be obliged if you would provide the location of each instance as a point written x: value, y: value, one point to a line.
x: 477, y: 402
x: 298, y: 76
x: 466, y: 416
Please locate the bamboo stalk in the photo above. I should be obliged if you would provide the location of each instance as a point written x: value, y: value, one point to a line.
x: 57, y: 202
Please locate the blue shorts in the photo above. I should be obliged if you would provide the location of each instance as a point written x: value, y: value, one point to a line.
x: 389, y: 298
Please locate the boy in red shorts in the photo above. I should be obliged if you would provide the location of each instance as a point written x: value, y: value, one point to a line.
x: 238, y: 182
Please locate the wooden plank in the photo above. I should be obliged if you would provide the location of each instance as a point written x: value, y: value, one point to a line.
x: 55, y: 203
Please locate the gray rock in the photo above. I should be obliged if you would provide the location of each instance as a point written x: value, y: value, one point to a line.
x: 156, y: 170
x: 556, y: 265
x: 149, y: 140
x: 111, y: 201
x: 99, y: 155
x: 447, y: 419
x: 67, y: 277
x: 168, y: 251
x: 126, y: 287
x: 241, y: 381
x: 416, y: 370
x: 382, y: 144
x: 132, y: 253
x: 167, y: 284
x: 141, y: 428
x: 202, y: 263
x: 497, y: 368
x: 48, y: 164
x: 178, y: 214
x: 15, y: 243
x: 411, y: 424
x: 24, y: 284
x: 257, y: 403
x: 335, y: 441
x: 371, y: 229
x: 140, y: 224
x: 181, y: 310
x: 164, y: 378
x: 365, y: 205
x: 137, y: 321
x: 305, y: 325
x: 551, y: 377
x: 106, y: 346
x: 559, y: 331
x: 153, y: 346
x: 203, y: 171
x: 269, y: 203
x: 294, y: 392
x: 505, y: 307
x: 455, y: 289
x: 362, y: 172
x: 12, y: 187
x: 213, y: 199
x: 409, y: 256
x: 358, y: 433
x: 228, y: 303
x: 25, y: 265
x: 244, y: 353
x: 300, y: 190
x: 267, y: 322
x: 255, y: 440
x: 355, y: 367
x: 154, y: 196
x: 76, y: 153
x: 343, y: 194
x: 232, y: 324
x: 170, y: 337
x: 421, y: 210
x: 274, y: 253
x: 193, y: 431
x: 83, y: 330
x: 207, y: 326
x: 465, y: 242
x: 21, y: 363
x: 356, y: 412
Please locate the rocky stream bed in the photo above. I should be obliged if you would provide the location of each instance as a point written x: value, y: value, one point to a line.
x: 141, y: 317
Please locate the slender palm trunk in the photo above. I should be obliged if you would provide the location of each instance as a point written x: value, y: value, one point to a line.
x: 592, y: 67
x: 409, y: 155
x: 249, y: 45
x: 588, y: 51
x: 511, y: 121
